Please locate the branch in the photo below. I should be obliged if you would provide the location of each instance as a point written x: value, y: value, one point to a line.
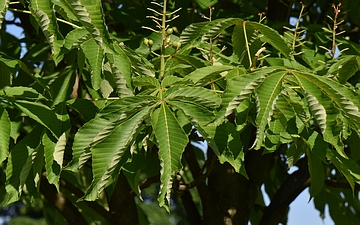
x: 288, y: 191
x: 337, y: 184
x: 193, y: 215
x: 61, y: 203
x: 91, y: 204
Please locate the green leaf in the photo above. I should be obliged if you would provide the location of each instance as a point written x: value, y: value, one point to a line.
x: 20, y: 155
x: 4, y: 4
x: 245, y: 43
x: 86, y: 109
x: 139, y: 64
x: 90, y: 14
x: 75, y: 38
x: 240, y: 86
x: 171, y: 140
x: 5, y: 130
x: 335, y: 98
x: 205, y: 72
x: 316, y: 154
x: 205, y: 30
x: 345, y: 68
x: 197, y: 95
x: 7, y: 71
x: 83, y: 141
x: 121, y: 68
x: 233, y: 153
x: 206, y: 3
x: 95, y: 56
x: 62, y: 86
x: 96, y: 129
x: 141, y: 81
x: 43, y: 11
x: 294, y: 152
x: 349, y: 168
x: 22, y: 92
x: 267, y: 94
x: 42, y: 114
x: 318, y: 111
x: 107, y: 154
x: 53, y: 169
x: 272, y: 37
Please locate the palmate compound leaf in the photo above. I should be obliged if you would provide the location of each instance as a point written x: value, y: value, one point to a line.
x: 20, y: 155
x: 204, y: 72
x: 43, y: 11
x: 205, y: 30
x: 171, y: 140
x: 197, y: 95
x: 107, y: 154
x: 97, y: 129
x: 90, y: 14
x: 334, y: 98
x: 267, y: 94
x: 240, y: 86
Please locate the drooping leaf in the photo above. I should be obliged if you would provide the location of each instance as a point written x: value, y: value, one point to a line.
x: 86, y: 109
x: 18, y: 158
x: 345, y: 68
x: 139, y: 64
x: 198, y: 95
x: 53, y: 169
x: 107, y: 154
x: 42, y: 114
x: 90, y: 14
x: 75, y: 38
x: 95, y: 56
x: 62, y: 87
x: 23, y: 92
x: 246, y: 40
x: 205, y: 30
x: 121, y: 68
x: 98, y: 128
x: 202, y: 73
x: 171, y: 140
x: 5, y: 130
x: 43, y: 11
x: 272, y: 37
x: 267, y: 94
x: 316, y: 154
x: 240, y: 86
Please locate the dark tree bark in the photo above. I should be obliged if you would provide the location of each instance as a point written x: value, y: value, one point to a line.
x: 279, y: 10
x: 61, y: 203
x: 232, y: 195
x: 122, y: 203
x: 288, y: 191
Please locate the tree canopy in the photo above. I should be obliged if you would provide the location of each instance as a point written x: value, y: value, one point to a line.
x: 177, y: 112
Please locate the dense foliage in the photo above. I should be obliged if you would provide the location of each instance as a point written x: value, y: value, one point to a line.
x: 197, y: 105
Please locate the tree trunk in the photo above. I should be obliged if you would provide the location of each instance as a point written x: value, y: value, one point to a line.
x: 232, y: 196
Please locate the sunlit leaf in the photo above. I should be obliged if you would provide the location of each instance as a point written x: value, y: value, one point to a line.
x: 171, y: 140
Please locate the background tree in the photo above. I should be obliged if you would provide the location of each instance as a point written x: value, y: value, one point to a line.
x: 112, y: 99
